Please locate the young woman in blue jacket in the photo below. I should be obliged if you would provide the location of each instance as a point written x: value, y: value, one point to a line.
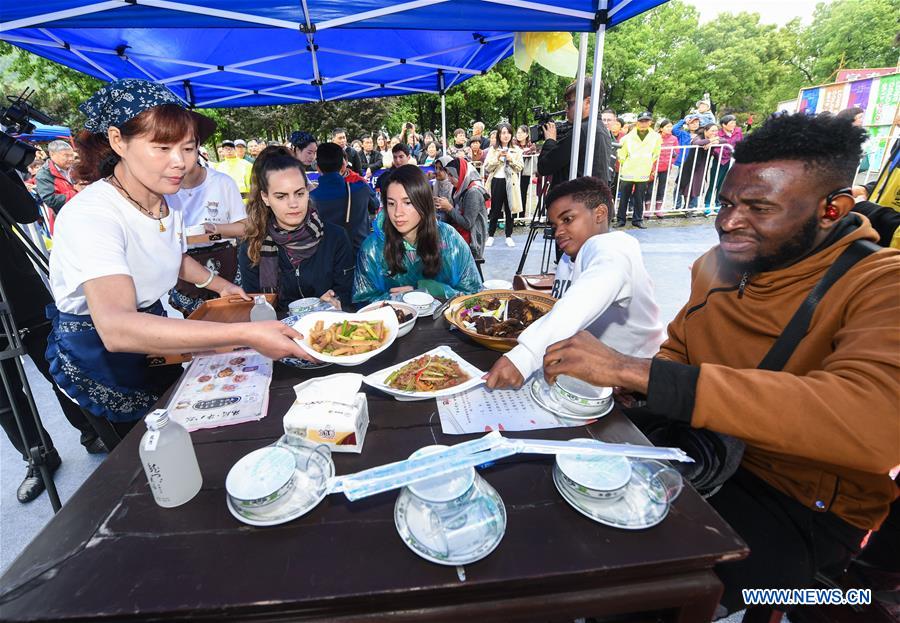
x: 289, y: 250
x: 410, y: 249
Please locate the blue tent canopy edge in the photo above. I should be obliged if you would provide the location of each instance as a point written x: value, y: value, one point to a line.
x: 222, y: 53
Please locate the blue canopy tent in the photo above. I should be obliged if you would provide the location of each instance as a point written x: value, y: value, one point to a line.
x: 44, y: 133
x: 219, y: 53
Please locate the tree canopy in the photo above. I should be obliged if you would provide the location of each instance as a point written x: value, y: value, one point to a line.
x: 661, y: 61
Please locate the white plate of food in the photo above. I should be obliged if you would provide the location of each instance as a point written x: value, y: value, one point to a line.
x: 347, y: 339
x: 436, y: 374
x: 407, y: 312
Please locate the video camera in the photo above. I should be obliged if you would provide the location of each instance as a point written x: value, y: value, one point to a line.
x: 543, y: 118
x: 16, y: 118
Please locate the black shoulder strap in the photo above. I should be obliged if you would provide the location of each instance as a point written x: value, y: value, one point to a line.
x: 798, y: 325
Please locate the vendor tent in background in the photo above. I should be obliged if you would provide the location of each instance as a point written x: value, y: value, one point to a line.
x: 43, y: 133
x: 218, y: 53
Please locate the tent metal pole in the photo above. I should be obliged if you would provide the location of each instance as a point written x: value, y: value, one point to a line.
x: 443, y: 121
x: 312, y: 47
x: 619, y: 7
x: 387, y: 85
x: 443, y: 92
x: 579, y: 104
x: 595, y: 100
x: 103, y: 71
x: 413, y: 61
x: 466, y: 64
x: 361, y: 72
x: 212, y: 12
x: 545, y: 8
x: 367, y: 15
x: 53, y: 44
x: 34, y: 20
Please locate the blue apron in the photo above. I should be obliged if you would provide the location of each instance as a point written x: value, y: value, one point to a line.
x: 119, y: 387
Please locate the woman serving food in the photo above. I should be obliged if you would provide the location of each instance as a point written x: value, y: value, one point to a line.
x: 119, y: 247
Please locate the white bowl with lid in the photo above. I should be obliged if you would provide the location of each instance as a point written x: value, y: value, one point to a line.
x: 442, y: 489
x: 263, y: 469
x: 261, y: 479
x: 303, y: 306
x: 422, y: 301
x: 453, y: 519
x: 581, y: 397
x: 595, y: 475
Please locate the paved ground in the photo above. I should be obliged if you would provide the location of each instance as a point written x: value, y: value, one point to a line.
x: 669, y: 248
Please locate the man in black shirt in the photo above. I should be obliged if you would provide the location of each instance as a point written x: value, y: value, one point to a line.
x: 556, y: 153
x: 370, y: 158
x: 339, y: 136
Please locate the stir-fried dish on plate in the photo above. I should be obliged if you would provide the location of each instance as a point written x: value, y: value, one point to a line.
x: 429, y: 373
x: 350, y: 337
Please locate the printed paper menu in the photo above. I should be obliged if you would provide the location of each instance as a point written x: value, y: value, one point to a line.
x: 480, y: 410
x: 224, y: 389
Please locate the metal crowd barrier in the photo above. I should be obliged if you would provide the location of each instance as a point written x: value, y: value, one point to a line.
x: 684, y: 191
x: 675, y: 198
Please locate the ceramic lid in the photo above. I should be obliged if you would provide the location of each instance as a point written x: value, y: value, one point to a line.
x: 598, y: 472
x: 418, y: 298
x: 582, y: 389
x: 260, y: 473
x: 443, y: 488
x: 309, y: 301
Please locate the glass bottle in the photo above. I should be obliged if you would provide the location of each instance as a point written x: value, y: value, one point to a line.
x: 169, y: 461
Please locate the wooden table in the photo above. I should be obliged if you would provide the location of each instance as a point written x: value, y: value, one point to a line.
x: 111, y: 553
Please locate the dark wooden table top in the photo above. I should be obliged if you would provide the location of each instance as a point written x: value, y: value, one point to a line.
x: 113, y: 553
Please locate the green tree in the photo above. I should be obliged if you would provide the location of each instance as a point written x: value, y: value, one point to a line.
x: 652, y: 61
x: 58, y: 89
x: 851, y: 33
x: 662, y: 61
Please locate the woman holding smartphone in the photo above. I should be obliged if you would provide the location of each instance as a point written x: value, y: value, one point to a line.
x: 504, y: 165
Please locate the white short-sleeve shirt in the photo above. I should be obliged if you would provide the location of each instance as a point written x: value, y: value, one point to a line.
x: 216, y: 200
x: 100, y: 233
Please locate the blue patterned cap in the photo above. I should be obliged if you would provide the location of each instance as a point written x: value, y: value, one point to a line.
x: 121, y: 101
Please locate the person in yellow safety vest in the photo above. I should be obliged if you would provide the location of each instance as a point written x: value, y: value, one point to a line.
x: 637, y: 155
x: 236, y: 168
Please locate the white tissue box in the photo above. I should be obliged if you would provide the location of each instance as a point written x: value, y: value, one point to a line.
x: 340, y: 426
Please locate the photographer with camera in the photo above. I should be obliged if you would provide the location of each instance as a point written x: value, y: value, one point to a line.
x: 556, y: 153
x: 27, y: 299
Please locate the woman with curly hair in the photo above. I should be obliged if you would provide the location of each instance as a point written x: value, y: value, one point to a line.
x: 410, y: 249
x: 288, y: 248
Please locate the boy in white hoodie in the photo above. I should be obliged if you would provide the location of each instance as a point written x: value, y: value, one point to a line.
x: 601, y: 284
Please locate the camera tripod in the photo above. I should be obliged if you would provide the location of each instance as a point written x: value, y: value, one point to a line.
x: 538, y: 224
x: 38, y: 449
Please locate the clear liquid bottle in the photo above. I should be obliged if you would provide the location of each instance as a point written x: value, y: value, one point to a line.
x: 169, y: 461
x: 261, y: 309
